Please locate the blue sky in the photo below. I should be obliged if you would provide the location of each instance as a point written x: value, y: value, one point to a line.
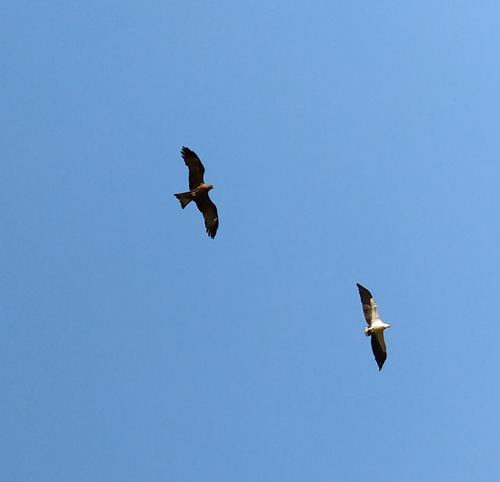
x: 348, y: 142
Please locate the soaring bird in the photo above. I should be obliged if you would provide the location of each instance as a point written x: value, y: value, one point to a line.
x: 375, y: 327
x: 198, y: 191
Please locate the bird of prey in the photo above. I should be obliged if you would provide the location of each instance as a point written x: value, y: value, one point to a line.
x: 198, y: 191
x: 375, y: 327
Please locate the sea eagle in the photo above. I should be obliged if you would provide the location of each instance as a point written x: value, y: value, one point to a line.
x: 375, y: 327
x: 198, y: 191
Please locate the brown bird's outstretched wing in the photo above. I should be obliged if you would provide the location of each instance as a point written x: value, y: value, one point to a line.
x: 379, y: 349
x: 209, y: 211
x: 196, y: 169
x: 370, y: 309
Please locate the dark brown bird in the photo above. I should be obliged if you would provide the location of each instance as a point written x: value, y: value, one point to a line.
x: 198, y: 192
x: 375, y: 327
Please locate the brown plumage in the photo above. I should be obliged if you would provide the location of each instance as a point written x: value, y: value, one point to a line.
x: 198, y: 191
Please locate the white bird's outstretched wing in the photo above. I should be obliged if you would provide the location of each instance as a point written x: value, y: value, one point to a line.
x: 379, y: 349
x: 369, y: 306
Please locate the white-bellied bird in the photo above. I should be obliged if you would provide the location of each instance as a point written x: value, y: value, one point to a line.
x: 375, y: 327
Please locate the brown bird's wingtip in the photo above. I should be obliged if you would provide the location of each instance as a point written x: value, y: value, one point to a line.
x: 212, y: 232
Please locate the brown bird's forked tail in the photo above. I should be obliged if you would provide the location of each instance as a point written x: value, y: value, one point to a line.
x: 184, y: 198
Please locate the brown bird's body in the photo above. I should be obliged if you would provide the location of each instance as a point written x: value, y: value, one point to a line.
x: 198, y: 192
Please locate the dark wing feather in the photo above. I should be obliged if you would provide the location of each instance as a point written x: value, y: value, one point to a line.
x: 369, y: 306
x: 196, y: 169
x: 379, y: 349
x: 209, y: 211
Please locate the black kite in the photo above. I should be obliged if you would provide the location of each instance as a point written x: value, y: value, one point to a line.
x: 198, y: 191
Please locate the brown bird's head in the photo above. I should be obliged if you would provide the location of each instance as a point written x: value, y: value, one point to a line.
x: 209, y: 186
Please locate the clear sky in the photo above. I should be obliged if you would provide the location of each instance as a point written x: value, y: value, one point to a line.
x: 348, y: 142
